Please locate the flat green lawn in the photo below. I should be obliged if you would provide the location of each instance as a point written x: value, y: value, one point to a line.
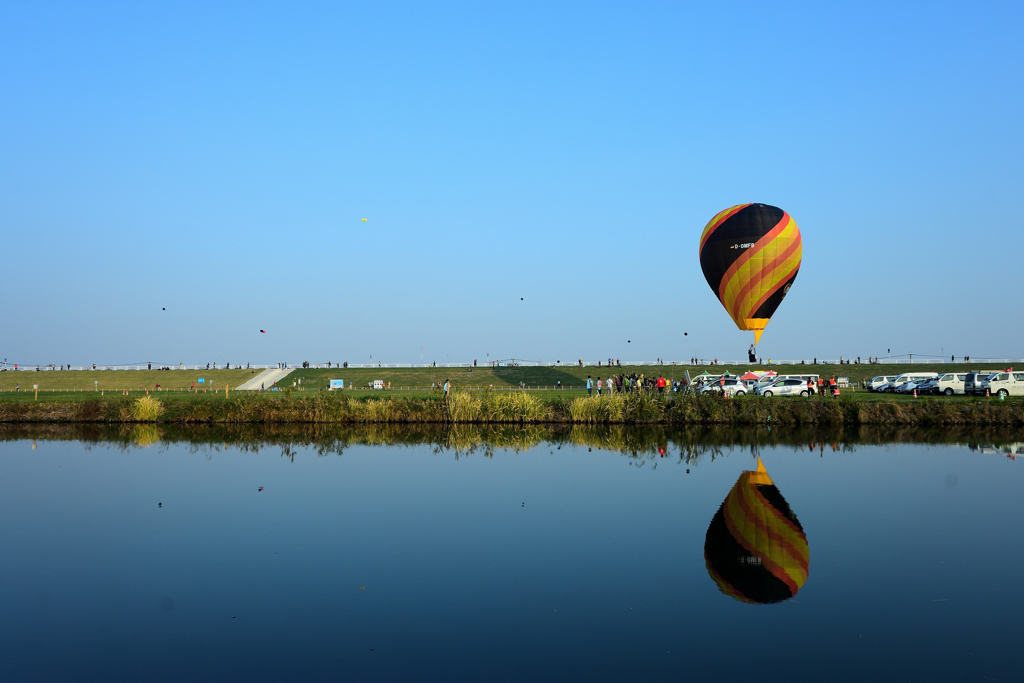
x: 112, y: 380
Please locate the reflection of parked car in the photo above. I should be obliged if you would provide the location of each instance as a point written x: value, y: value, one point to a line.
x: 972, y: 385
x: 784, y: 387
x: 950, y: 383
x: 1003, y: 384
x: 1011, y: 450
x: 731, y: 384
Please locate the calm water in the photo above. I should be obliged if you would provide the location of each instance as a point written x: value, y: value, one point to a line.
x: 551, y: 560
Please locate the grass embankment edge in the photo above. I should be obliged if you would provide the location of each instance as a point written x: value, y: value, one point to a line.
x: 515, y: 408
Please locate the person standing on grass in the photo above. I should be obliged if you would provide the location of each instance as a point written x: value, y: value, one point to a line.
x: 590, y: 386
x: 598, y: 386
x: 447, y: 386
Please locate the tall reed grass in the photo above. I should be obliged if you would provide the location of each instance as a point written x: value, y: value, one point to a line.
x: 145, y: 409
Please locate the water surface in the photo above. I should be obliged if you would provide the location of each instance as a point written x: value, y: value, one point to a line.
x: 506, y: 555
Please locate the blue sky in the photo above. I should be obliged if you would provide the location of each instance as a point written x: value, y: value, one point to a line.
x: 535, y: 178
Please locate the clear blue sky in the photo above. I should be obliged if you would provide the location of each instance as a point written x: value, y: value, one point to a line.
x: 217, y: 162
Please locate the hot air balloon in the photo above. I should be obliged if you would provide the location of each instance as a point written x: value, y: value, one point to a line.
x: 750, y: 255
x: 755, y: 549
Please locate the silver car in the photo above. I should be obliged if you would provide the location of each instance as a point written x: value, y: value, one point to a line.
x: 732, y: 384
x: 909, y: 387
x: 784, y: 387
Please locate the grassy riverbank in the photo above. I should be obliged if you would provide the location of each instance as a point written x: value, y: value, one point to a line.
x: 505, y: 407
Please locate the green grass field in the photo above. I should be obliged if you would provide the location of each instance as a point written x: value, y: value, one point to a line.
x: 314, y: 378
x: 418, y: 380
x: 117, y: 380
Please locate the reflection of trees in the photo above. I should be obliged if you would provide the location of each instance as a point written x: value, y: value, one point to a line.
x: 641, y: 444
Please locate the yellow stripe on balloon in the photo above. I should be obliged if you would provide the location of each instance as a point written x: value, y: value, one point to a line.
x: 759, y: 273
x: 771, y: 272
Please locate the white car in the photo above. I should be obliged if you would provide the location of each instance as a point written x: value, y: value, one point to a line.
x: 1004, y: 384
x: 731, y: 384
x: 784, y: 387
x: 875, y: 383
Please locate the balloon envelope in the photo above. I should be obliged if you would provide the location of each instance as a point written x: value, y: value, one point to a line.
x: 755, y: 549
x: 750, y: 255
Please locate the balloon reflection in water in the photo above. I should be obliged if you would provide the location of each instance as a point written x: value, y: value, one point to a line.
x: 755, y: 548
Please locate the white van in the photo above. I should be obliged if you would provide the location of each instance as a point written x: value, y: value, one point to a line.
x: 951, y: 383
x: 813, y: 378
x: 1004, y: 384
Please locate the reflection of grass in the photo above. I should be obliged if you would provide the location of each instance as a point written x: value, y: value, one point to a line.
x: 144, y: 434
x: 652, y: 443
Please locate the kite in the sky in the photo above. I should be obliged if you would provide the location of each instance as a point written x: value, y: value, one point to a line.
x: 755, y: 549
x: 263, y: 331
x: 750, y: 255
x: 364, y: 220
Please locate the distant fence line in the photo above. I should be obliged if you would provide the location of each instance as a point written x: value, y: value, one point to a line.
x: 524, y: 363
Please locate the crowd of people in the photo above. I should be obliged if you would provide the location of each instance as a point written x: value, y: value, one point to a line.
x: 633, y: 382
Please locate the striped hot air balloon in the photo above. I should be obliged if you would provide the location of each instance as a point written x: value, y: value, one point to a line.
x: 755, y: 549
x: 750, y: 255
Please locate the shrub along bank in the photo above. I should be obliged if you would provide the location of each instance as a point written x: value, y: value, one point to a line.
x: 515, y: 408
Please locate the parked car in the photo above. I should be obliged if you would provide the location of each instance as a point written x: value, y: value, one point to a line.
x: 892, y: 386
x: 1003, y: 384
x: 731, y: 384
x: 784, y: 387
x: 876, y: 382
x: 909, y: 386
x: 972, y: 384
x: 930, y: 386
x: 950, y: 383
